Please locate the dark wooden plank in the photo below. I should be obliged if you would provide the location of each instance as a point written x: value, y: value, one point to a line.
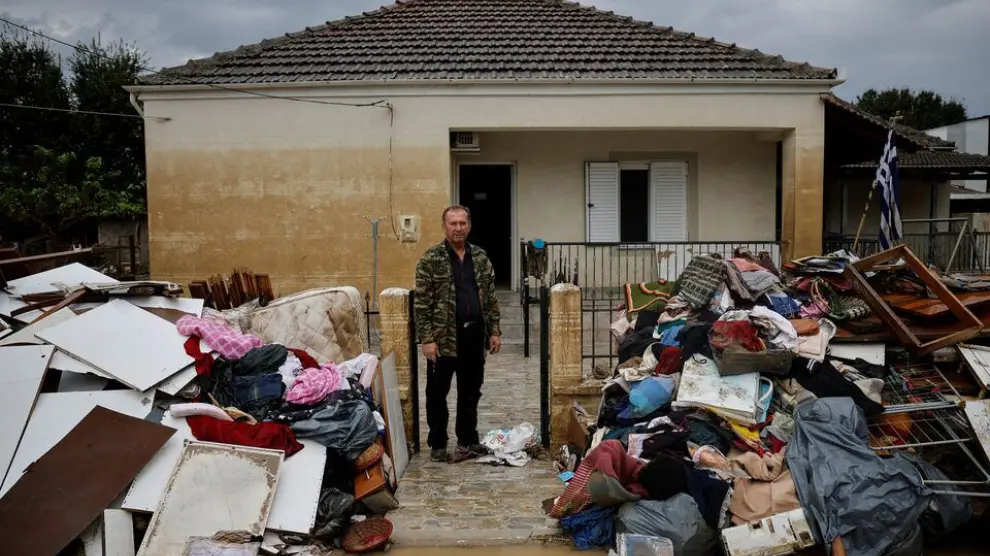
x: 920, y: 307
x: 70, y: 486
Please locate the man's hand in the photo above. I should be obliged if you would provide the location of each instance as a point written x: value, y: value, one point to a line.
x: 495, y: 344
x: 430, y: 352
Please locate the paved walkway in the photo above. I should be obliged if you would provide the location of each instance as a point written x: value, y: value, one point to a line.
x: 475, y: 504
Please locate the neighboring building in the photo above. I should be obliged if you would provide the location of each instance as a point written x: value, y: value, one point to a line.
x: 970, y: 136
x: 549, y: 119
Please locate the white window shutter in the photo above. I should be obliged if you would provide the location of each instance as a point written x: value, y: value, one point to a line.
x: 668, y: 196
x: 603, y: 202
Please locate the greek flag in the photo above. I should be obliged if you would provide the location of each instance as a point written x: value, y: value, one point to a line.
x: 889, y: 187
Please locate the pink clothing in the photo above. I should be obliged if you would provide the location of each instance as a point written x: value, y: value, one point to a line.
x: 221, y: 338
x: 745, y: 265
x: 314, y: 384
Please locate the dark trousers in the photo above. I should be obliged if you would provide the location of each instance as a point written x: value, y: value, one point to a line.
x: 469, y: 366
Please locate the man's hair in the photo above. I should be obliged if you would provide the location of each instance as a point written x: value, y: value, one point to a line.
x: 455, y: 208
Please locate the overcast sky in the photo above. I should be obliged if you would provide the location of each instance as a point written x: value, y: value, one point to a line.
x: 936, y: 44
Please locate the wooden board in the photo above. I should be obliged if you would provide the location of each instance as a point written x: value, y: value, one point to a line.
x: 971, y: 325
x: 213, y: 487
x: 126, y: 342
x: 922, y: 308
x: 26, y: 335
x: 872, y: 353
x: 978, y: 413
x: 56, y: 414
x: 22, y: 370
x: 70, y: 485
x: 118, y: 533
x: 70, y: 275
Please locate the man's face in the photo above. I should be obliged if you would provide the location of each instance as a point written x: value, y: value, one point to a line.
x: 456, y: 227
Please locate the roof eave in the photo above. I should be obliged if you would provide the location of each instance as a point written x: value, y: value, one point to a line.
x: 795, y: 82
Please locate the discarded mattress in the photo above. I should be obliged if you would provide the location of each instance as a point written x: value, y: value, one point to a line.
x: 328, y: 322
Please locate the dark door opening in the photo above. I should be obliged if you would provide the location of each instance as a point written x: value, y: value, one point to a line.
x: 486, y: 190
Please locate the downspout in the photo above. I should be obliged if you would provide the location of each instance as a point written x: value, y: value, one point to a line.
x: 134, y: 103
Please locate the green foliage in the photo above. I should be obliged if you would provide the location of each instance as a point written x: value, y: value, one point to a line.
x: 921, y: 109
x: 57, y: 169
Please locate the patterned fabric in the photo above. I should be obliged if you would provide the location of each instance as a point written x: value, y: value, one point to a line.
x: 702, y: 276
x: 435, y: 310
x: 223, y: 339
x: 847, y: 307
x: 314, y: 384
x: 648, y: 296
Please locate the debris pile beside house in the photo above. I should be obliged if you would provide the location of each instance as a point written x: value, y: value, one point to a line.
x: 135, y: 417
x: 756, y: 410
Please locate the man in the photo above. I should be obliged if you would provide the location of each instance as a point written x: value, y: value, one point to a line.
x: 457, y: 322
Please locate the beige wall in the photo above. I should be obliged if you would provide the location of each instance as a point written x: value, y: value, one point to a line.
x: 284, y: 187
x: 731, y: 191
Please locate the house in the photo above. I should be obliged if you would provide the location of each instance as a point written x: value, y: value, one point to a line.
x: 548, y: 119
x: 969, y: 136
x: 928, y: 164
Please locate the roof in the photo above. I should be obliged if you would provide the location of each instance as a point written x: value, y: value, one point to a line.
x: 917, y: 137
x: 486, y: 40
x: 935, y: 160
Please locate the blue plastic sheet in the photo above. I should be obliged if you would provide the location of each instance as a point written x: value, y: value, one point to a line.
x: 592, y: 527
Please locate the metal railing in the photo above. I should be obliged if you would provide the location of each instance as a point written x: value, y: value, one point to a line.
x: 967, y: 253
x: 602, y: 269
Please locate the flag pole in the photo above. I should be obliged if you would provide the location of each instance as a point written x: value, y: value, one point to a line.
x: 869, y: 198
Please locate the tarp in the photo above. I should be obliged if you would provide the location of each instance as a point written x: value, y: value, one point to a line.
x: 846, y: 488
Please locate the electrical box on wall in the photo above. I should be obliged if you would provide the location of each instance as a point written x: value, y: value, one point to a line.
x: 409, y: 228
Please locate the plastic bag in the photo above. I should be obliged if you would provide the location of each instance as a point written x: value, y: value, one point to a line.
x: 677, y: 519
x: 508, y: 446
x: 345, y: 426
x: 641, y: 545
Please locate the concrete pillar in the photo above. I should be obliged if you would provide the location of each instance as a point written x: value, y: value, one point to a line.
x: 394, y: 319
x: 565, y: 355
x: 802, y: 203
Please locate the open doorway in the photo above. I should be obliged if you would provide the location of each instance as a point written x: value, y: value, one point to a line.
x: 486, y: 190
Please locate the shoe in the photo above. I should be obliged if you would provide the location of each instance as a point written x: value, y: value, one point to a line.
x: 462, y: 453
x: 438, y: 455
x: 478, y: 449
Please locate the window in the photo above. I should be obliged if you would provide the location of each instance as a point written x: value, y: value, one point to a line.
x: 636, y: 203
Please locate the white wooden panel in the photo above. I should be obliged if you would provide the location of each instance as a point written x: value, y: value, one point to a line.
x: 118, y: 533
x: 296, y: 498
x: 603, y: 202
x: 69, y: 276
x: 128, y: 343
x: 26, y: 334
x: 185, y: 304
x: 978, y: 359
x: 213, y: 487
x: 874, y: 354
x: 55, y: 415
x: 22, y: 370
x: 978, y: 413
x: 64, y: 362
x: 668, y: 196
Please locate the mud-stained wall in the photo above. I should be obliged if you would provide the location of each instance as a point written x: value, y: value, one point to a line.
x: 284, y: 187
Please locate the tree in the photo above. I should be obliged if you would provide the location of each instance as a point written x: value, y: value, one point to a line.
x: 56, y: 190
x: 57, y: 169
x: 98, y: 75
x: 921, y: 109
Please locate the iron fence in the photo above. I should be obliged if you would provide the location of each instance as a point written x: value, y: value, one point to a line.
x: 602, y: 269
x: 968, y: 253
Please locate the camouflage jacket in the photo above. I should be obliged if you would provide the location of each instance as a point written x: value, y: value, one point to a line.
x: 436, y: 298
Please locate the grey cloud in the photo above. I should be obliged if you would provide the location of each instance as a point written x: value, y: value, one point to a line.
x: 935, y: 44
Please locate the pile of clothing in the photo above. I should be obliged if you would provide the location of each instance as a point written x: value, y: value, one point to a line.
x: 270, y: 396
x: 726, y: 408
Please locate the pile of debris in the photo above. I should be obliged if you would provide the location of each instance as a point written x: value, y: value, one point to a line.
x: 262, y: 429
x: 758, y: 410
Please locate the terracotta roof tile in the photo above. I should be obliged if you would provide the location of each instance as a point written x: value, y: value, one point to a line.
x: 486, y: 40
x: 935, y: 160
